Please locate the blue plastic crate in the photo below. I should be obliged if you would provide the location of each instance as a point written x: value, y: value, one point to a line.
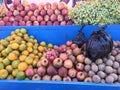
x: 57, y: 35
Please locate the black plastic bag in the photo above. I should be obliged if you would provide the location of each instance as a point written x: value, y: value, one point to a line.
x: 80, y: 38
x: 99, y: 44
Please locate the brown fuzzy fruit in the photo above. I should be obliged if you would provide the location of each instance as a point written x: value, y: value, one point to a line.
x: 80, y: 76
x: 81, y: 58
x: 51, y: 70
x: 72, y: 72
x: 57, y: 62
x: 68, y: 64
x: 41, y: 71
x: 62, y: 71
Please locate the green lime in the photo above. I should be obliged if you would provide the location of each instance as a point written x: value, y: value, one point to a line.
x: 4, y: 53
x: 20, y: 75
x: 6, y: 62
x: 15, y: 63
x: 8, y: 50
x: 27, y: 79
x: 1, y: 47
x: 10, y: 77
x: 34, y: 63
x: 22, y: 47
x: 9, y: 68
x: 1, y: 66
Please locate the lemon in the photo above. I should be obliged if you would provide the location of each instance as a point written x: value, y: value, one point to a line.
x: 15, y: 63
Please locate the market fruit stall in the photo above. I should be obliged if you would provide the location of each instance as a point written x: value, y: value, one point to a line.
x: 49, y: 46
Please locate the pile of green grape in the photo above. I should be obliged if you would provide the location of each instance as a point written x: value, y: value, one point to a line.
x: 99, y: 12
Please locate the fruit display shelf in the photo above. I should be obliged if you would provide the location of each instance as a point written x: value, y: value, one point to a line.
x: 56, y: 35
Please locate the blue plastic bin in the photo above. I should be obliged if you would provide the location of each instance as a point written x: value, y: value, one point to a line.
x: 57, y: 35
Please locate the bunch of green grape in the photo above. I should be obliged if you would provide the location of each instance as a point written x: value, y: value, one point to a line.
x: 98, y: 12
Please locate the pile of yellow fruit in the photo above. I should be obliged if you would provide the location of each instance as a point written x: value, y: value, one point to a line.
x: 17, y: 53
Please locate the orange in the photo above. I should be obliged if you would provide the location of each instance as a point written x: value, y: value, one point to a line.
x: 32, y: 55
x: 25, y: 52
x: 12, y: 56
x: 22, y: 66
x: 22, y: 58
x: 29, y: 44
x: 23, y: 42
x: 3, y: 73
x: 30, y: 49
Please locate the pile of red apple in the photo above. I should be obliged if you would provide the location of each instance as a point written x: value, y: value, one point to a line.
x: 63, y: 63
x: 42, y: 14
